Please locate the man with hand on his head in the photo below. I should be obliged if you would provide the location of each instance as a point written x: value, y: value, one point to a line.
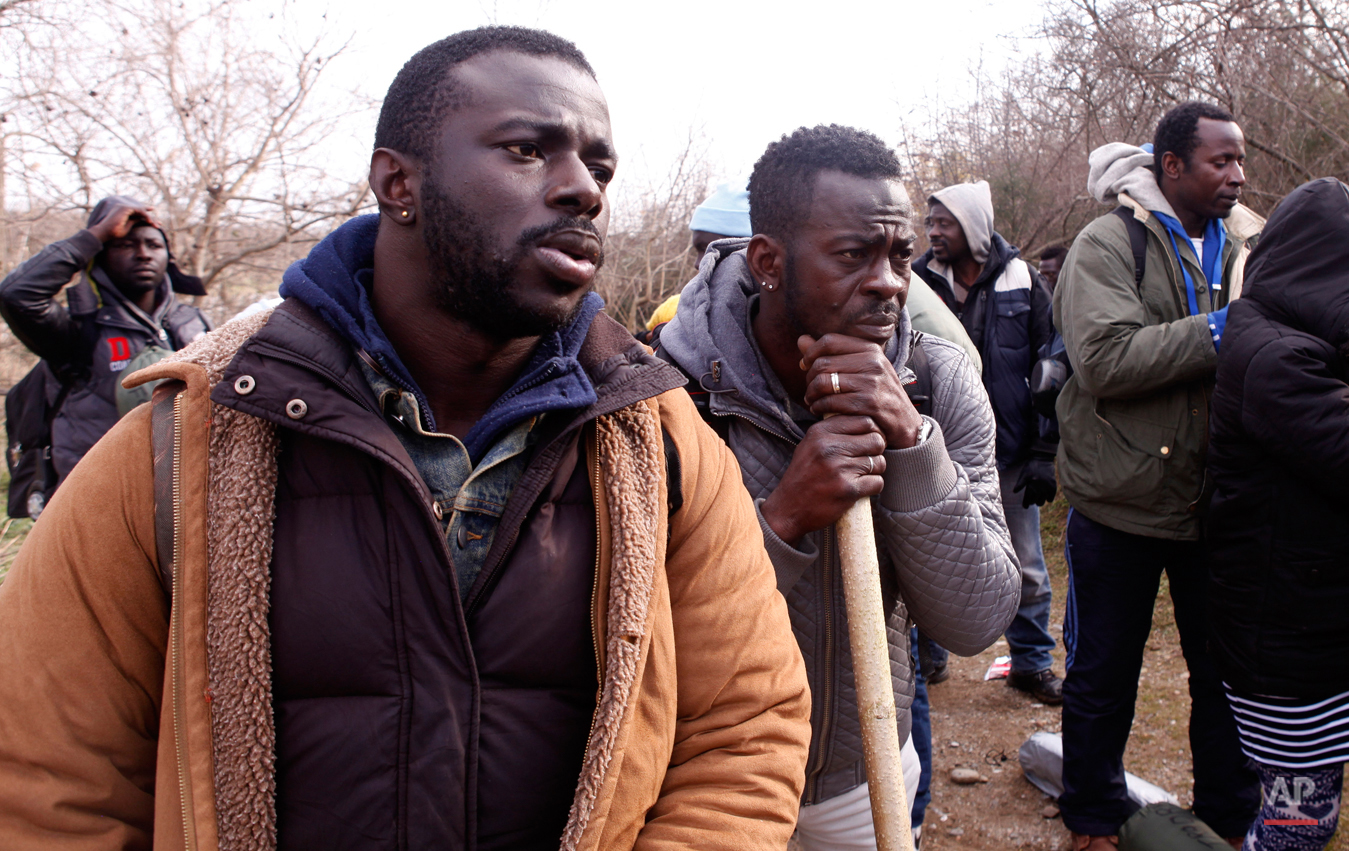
x: 123, y: 302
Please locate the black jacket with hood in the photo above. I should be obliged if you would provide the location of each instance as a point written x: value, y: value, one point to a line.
x: 1009, y: 319
x: 1279, y: 458
x: 90, y: 341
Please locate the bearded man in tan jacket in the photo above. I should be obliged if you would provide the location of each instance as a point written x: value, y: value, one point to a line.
x: 431, y: 556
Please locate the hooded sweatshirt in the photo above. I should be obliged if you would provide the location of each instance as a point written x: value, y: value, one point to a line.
x: 972, y: 205
x: 1278, y: 530
x: 946, y: 558
x: 335, y: 281
x: 471, y: 480
x: 1007, y: 314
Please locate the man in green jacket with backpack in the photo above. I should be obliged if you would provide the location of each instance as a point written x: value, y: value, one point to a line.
x: 1141, y: 304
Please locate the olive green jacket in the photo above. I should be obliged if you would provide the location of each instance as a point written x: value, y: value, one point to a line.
x: 1133, y: 418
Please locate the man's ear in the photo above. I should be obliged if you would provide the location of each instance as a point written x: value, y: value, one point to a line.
x: 1172, y: 165
x: 767, y: 259
x: 396, y: 180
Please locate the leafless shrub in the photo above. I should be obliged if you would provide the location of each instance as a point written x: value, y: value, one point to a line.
x: 647, y: 254
x: 1108, y: 73
x: 208, y: 109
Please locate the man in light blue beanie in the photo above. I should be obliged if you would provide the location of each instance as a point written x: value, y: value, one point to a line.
x: 724, y: 214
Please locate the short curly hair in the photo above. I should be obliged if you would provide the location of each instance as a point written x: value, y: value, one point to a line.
x: 1054, y: 252
x: 1178, y: 131
x: 783, y: 181
x: 424, y: 93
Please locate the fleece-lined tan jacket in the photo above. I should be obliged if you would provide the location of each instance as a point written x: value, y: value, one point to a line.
x: 125, y: 721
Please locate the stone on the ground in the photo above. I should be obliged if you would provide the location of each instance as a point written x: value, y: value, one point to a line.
x: 967, y: 776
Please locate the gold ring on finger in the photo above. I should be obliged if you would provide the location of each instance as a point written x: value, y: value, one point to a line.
x: 833, y: 379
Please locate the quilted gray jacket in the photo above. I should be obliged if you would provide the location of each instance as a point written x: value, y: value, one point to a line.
x: 947, y: 563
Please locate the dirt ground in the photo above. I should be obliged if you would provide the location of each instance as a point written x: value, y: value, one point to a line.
x: 981, y: 725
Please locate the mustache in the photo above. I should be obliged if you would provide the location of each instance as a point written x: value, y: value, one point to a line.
x: 533, y: 236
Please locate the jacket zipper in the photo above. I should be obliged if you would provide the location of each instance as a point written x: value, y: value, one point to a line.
x: 827, y: 714
x: 594, y: 609
x: 176, y: 627
x: 760, y: 426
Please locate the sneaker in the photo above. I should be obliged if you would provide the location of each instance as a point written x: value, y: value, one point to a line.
x: 1044, y: 686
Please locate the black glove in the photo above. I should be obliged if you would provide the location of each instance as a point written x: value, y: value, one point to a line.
x: 1037, y: 480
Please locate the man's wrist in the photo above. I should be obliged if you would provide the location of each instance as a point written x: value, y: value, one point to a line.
x: 909, y: 435
x: 782, y: 526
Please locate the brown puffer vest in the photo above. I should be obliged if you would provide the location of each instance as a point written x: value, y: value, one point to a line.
x: 403, y: 718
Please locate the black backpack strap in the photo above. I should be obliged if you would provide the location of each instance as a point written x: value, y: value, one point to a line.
x: 674, y: 488
x: 920, y: 389
x: 1138, y: 241
x: 167, y: 436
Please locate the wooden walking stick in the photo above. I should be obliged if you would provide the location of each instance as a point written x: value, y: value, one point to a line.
x: 871, y: 669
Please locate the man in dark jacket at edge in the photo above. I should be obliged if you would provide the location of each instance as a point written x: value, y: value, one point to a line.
x: 478, y: 575
x: 123, y: 302
x: 1133, y: 425
x: 1278, y: 526
x: 807, y: 319
x: 1004, y: 305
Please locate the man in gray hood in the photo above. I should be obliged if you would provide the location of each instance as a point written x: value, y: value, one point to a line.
x: 804, y: 320
x: 1004, y: 304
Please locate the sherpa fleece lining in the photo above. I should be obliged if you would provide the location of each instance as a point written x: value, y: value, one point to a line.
x: 629, y: 444
x: 240, y: 506
x: 241, y: 513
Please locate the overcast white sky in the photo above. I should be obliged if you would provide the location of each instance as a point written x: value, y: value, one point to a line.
x: 740, y: 74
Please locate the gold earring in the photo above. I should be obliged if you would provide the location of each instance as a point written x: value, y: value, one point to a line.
x: 406, y: 214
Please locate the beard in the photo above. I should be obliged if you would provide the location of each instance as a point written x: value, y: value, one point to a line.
x: 476, y: 283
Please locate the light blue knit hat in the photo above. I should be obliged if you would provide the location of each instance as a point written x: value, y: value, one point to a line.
x: 726, y: 211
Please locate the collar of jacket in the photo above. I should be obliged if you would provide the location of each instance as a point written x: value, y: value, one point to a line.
x: 221, y: 749
x: 1243, y: 225
x: 710, y: 340
x: 1000, y: 254
x: 296, y: 355
x: 334, y: 281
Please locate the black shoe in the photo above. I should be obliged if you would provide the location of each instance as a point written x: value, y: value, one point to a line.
x: 1044, y: 686
x: 940, y: 674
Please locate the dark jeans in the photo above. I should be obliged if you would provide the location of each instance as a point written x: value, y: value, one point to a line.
x: 1112, y: 588
x: 921, y: 713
